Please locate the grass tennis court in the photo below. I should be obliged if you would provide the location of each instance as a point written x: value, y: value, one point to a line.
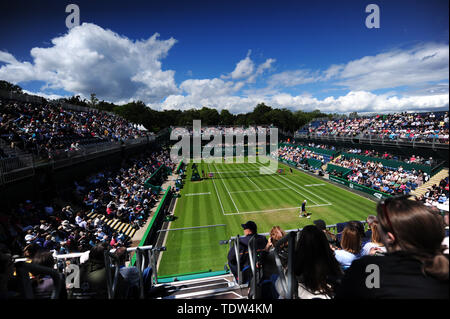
x: 238, y: 193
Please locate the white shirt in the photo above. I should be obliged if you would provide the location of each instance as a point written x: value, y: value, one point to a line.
x: 344, y: 257
x: 368, y: 246
x: 305, y: 293
x: 445, y: 243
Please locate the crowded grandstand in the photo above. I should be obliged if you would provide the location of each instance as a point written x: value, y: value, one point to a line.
x: 111, y: 215
x: 220, y: 158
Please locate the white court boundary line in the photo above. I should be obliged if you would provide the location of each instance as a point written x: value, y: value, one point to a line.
x: 250, y: 179
x: 269, y: 210
x: 227, y: 191
x: 217, y: 193
x: 195, y: 194
x: 262, y: 190
x: 312, y: 185
x: 303, y: 195
x: 274, y: 210
x: 306, y: 190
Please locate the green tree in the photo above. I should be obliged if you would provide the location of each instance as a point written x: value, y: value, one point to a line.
x: 7, y: 86
x: 226, y: 118
x: 93, y: 101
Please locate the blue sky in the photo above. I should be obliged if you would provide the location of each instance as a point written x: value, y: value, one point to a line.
x: 232, y: 54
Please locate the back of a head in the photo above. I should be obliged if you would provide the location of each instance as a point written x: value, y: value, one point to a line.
x: 314, y: 259
x: 97, y: 253
x: 276, y: 233
x: 418, y: 230
x: 376, y: 237
x: 44, y: 258
x: 358, y: 226
x: 121, y: 254
x: 370, y: 219
x: 351, y: 239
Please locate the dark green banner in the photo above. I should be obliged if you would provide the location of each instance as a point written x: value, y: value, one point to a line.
x: 358, y: 187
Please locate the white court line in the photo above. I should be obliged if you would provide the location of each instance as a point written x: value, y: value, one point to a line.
x: 275, y: 210
x: 217, y: 193
x: 250, y: 180
x: 262, y: 190
x: 306, y: 190
x: 228, y: 191
x: 311, y: 185
x: 303, y: 195
x: 195, y: 194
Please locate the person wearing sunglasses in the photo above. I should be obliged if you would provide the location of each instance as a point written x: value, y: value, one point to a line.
x: 414, y: 266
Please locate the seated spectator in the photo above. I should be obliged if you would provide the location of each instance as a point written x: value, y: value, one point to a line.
x: 316, y: 268
x: 374, y: 246
x: 330, y: 236
x: 80, y: 221
x: 250, y: 231
x: 276, y: 233
x: 93, y: 275
x: 266, y: 261
x: 350, y: 246
x: 414, y: 265
x: 130, y: 274
x: 43, y: 285
x: 368, y: 234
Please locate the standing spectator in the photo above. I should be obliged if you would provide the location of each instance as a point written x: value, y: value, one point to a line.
x: 414, y: 265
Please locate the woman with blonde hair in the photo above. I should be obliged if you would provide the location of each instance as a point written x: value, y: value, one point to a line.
x: 374, y: 246
x: 414, y: 266
x: 276, y: 233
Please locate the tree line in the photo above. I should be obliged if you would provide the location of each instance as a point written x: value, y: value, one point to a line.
x: 154, y: 120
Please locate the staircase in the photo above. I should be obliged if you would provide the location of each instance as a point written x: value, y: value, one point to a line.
x: 433, y: 180
x: 336, y: 158
x: 114, y: 224
x: 215, y: 287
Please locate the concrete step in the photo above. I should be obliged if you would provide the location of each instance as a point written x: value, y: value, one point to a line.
x: 216, y: 287
x: 433, y: 180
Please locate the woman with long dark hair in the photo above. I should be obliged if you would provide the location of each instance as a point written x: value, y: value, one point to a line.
x: 316, y: 268
x: 414, y: 265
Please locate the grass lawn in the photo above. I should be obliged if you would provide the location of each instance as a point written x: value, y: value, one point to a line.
x: 238, y: 193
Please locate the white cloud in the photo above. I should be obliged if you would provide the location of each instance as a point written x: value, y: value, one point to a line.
x: 244, y: 68
x: 91, y: 59
x: 359, y: 101
x: 209, y: 87
x: 267, y: 65
x: 419, y: 65
x: 293, y: 78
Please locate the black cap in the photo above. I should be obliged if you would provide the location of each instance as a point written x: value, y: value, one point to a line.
x: 250, y: 225
x: 320, y: 224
